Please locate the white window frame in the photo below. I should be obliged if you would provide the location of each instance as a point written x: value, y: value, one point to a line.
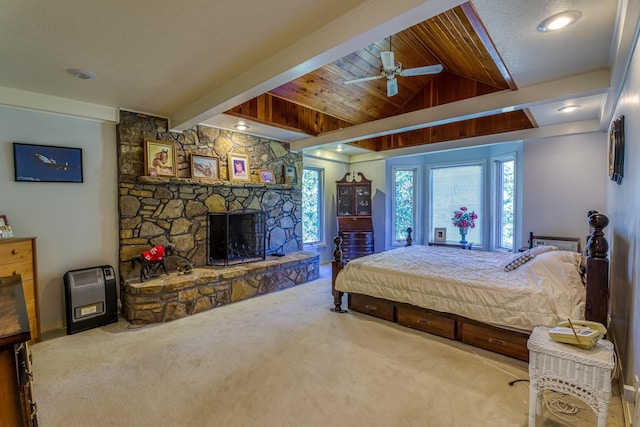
x: 482, y: 211
x: 394, y: 169
x: 496, y: 197
x: 321, y: 207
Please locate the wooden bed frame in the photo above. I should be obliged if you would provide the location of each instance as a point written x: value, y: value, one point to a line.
x: 498, y: 339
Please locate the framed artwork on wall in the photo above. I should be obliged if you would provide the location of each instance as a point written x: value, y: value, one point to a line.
x: 616, y: 150
x: 47, y: 163
x: 160, y: 158
x: 238, y: 165
x: 290, y: 175
x: 205, y: 166
x: 266, y: 176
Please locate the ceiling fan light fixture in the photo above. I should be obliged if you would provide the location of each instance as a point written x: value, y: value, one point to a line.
x: 559, y: 20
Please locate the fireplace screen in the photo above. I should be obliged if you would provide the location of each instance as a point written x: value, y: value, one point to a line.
x: 236, y: 237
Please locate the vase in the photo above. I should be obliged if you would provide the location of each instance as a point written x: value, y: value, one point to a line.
x: 463, y: 235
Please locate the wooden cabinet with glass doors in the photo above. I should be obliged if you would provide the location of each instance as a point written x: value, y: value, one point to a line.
x: 355, y: 225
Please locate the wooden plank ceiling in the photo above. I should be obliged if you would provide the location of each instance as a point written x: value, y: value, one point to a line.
x: 319, y: 101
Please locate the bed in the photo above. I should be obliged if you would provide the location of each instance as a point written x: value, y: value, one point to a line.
x: 487, y: 299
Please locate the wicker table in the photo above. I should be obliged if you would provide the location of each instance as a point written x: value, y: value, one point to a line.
x: 585, y: 374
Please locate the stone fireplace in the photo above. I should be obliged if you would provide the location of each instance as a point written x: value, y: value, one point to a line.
x: 178, y: 211
x: 235, y: 237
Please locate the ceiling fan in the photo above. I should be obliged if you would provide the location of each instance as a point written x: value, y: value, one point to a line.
x: 391, y: 69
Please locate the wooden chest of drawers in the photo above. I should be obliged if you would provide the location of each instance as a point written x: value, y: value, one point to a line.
x: 356, y: 244
x: 17, y: 407
x: 18, y: 257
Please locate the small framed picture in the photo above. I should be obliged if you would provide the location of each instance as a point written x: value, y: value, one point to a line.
x: 160, y: 158
x: 266, y: 176
x: 290, y: 175
x: 238, y: 165
x: 47, y: 163
x: 440, y: 235
x: 205, y: 166
x: 5, y: 228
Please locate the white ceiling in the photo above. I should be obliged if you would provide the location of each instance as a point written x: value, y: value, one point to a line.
x: 192, y: 60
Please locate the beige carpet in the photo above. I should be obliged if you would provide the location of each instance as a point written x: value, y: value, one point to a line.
x: 279, y: 360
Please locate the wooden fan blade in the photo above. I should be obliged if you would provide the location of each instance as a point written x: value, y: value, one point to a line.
x: 419, y: 71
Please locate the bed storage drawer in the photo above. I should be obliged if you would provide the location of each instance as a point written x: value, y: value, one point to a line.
x: 510, y: 343
x: 427, y: 321
x: 373, y: 306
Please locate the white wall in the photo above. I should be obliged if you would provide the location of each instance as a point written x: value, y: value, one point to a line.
x: 564, y: 178
x: 76, y: 224
x: 623, y: 206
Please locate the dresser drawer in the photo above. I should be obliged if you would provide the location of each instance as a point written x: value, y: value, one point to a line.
x: 373, y: 306
x: 15, y: 252
x: 427, y: 321
x: 512, y: 344
x: 22, y: 267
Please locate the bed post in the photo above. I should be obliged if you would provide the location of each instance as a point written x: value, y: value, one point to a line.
x: 597, y: 306
x: 336, y: 265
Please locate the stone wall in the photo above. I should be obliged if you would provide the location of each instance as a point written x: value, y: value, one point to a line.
x: 157, y: 211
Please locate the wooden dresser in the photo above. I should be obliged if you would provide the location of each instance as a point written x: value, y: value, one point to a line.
x: 17, y: 407
x: 355, y: 225
x: 18, y: 257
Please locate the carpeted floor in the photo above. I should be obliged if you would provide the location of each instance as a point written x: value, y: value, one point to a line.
x: 279, y: 360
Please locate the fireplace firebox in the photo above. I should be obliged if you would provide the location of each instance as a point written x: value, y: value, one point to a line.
x: 236, y: 237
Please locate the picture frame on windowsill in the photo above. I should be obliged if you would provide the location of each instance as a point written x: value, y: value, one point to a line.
x: 440, y: 235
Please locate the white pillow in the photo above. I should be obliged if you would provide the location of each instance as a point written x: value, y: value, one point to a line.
x: 537, y: 250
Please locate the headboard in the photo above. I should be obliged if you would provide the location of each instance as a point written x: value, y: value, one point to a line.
x: 563, y: 243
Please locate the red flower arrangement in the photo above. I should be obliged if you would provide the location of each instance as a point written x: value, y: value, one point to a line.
x: 463, y: 218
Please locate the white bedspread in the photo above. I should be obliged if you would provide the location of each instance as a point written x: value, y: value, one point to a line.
x: 473, y: 284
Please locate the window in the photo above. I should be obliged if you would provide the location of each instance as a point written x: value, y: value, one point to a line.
x: 312, y: 205
x: 404, y: 202
x: 451, y: 188
x: 505, y: 204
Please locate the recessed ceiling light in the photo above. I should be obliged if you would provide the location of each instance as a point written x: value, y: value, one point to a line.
x: 241, y: 126
x: 569, y: 108
x: 81, y: 74
x: 339, y: 148
x: 559, y: 20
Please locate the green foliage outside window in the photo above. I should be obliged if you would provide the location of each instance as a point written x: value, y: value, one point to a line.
x: 311, y: 205
x: 507, y: 183
x: 404, y: 203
